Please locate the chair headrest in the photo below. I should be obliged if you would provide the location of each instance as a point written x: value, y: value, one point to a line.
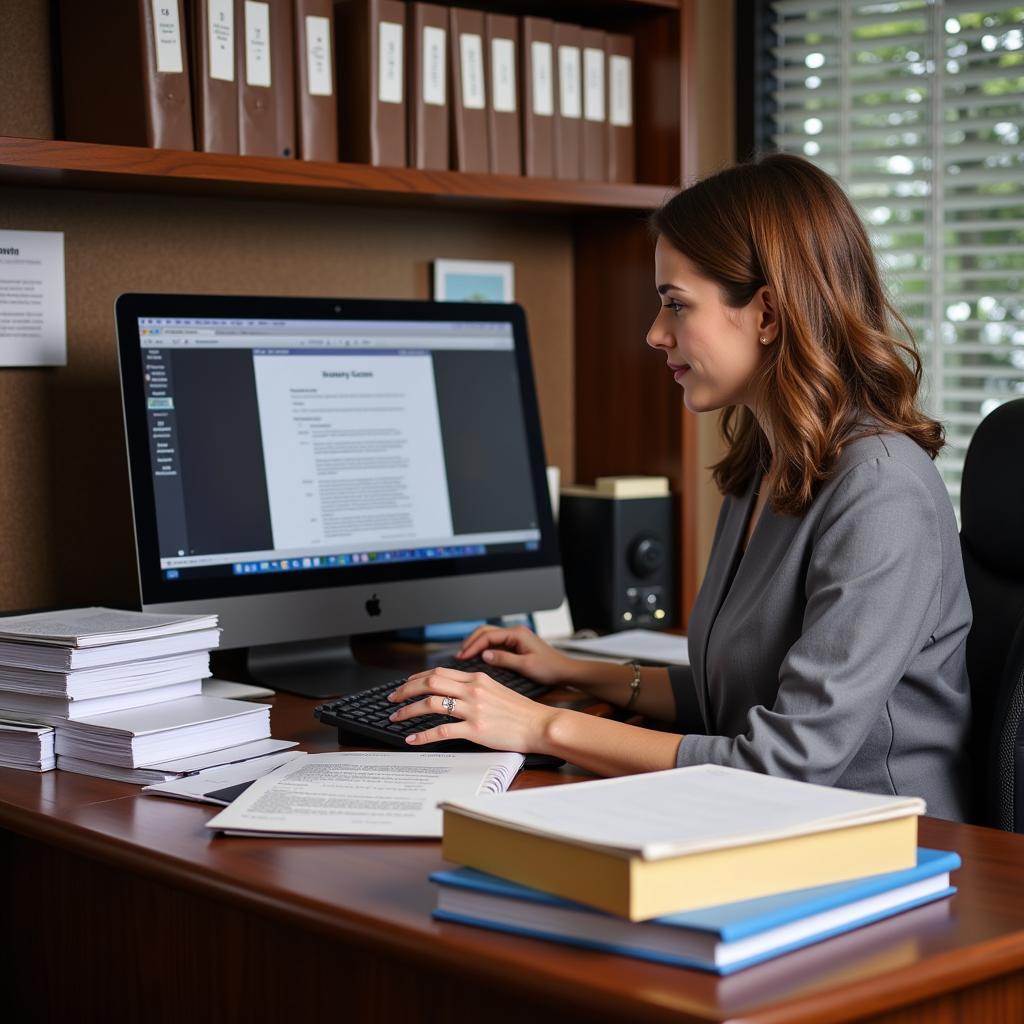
x: 992, y: 491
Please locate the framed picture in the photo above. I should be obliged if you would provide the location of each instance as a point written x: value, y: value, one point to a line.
x: 473, y: 281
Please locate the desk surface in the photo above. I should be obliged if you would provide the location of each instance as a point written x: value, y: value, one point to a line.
x: 377, y: 894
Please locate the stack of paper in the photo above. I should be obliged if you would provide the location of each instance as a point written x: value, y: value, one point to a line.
x: 124, y: 692
x: 220, y: 785
x: 163, y: 732
x: 179, y: 767
x: 69, y: 665
x: 29, y: 747
x: 637, y: 644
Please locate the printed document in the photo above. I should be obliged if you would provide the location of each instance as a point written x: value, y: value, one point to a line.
x: 365, y: 793
x: 33, y: 319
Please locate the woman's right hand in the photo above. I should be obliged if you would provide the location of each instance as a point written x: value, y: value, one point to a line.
x: 520, y: 650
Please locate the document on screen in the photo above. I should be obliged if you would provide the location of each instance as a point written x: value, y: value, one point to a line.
x: 352, y: 447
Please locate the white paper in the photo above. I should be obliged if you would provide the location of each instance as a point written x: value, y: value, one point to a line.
x: 435, y: 79
x: 471, y: 51
x: 570, y: 102
x: 593, y: 74
x: 90, y: 626
x: 390, y: 58
x: 84, y: 684
x: 620, y: 91
x: 374, y: 793
x: 543, y: 80
x: 162, y: 718
x: 195, y: 787
x: 241, y: 752
x: 18, y: 654
x: 503, y: 75
x: 167, y: 37
x: 318, y: 56
x: 151, y: 735
x: 24, y: 728
x: 685, y: 810
x: 33, y: 321
x: 59, y: 711
x: 221, y: 39
x: 639, y: 644
x: 257, y: 43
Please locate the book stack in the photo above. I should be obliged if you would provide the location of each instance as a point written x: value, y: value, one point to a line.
x: 122, y: 693
x: 26, y: 746
x: 705, y: 867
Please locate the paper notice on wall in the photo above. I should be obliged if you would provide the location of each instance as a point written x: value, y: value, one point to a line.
x: 33, y: 324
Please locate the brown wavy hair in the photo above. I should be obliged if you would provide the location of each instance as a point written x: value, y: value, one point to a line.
x: 837, y: 370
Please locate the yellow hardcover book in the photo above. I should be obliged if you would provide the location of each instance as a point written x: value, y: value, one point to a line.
x: 667, y: 842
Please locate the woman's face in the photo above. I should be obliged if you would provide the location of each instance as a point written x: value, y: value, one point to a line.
x: 711, y: 349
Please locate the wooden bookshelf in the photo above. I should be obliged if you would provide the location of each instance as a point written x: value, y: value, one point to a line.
x: 137, y: 219
x: 87, y: 165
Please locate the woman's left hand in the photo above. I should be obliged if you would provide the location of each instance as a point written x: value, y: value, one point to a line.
x: 484, y: 711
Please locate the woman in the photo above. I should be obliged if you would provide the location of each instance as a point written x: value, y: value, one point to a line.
x: 827, y: 642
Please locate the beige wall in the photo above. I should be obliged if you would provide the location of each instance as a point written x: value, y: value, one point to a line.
x: 716, y: 149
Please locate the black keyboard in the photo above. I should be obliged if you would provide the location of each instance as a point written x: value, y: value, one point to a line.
x: 364, y: 716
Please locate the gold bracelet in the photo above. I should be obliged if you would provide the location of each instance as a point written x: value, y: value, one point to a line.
x: 634, y: 686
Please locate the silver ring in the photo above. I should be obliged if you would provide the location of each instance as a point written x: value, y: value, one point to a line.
x: 448, y: 704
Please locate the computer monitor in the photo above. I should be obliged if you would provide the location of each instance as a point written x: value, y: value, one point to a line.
x: 310, y: 469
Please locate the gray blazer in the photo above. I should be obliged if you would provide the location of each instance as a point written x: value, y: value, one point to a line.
x: 837, y: 655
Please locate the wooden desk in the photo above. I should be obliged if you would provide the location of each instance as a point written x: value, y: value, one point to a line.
x: 122, y: 907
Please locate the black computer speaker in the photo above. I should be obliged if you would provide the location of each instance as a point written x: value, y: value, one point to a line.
x: 619, y: 560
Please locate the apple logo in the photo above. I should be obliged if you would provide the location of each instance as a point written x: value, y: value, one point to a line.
x: 373, y: 606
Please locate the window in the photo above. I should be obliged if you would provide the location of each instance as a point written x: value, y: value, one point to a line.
x: 917, y: 108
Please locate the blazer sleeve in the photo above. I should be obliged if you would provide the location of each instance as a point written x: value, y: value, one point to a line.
x: 688, y: 717
x: 872, y: 591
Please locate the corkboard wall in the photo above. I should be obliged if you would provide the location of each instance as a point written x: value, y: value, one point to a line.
x: 26, y: 83
x: 65, y: 518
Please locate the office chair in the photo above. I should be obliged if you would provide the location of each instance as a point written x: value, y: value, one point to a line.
x: 992, y: 542
x: 1007, y: 795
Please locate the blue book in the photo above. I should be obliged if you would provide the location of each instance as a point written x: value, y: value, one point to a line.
x: 722, y: 939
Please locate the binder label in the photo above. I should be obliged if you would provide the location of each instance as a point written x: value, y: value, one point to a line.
x: 543, y: 84
x: 620, y: 90
x: 503, y: 75
x: 570, y: 102
x: 318, y: 56
x: 471, y: 50
x: 257, y: 43
x: 434, y: 86
x: 167, y: 37
x: 220, y: 30
x: 389, y: 62
x: 593, y: 73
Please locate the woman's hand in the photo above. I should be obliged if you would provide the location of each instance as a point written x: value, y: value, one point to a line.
x: 522, y: 651
x: 484, y: 711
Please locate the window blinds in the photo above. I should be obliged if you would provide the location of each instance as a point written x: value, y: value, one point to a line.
x: 917, y: 108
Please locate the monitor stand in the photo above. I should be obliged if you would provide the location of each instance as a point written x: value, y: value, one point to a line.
x: 314, y: 668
